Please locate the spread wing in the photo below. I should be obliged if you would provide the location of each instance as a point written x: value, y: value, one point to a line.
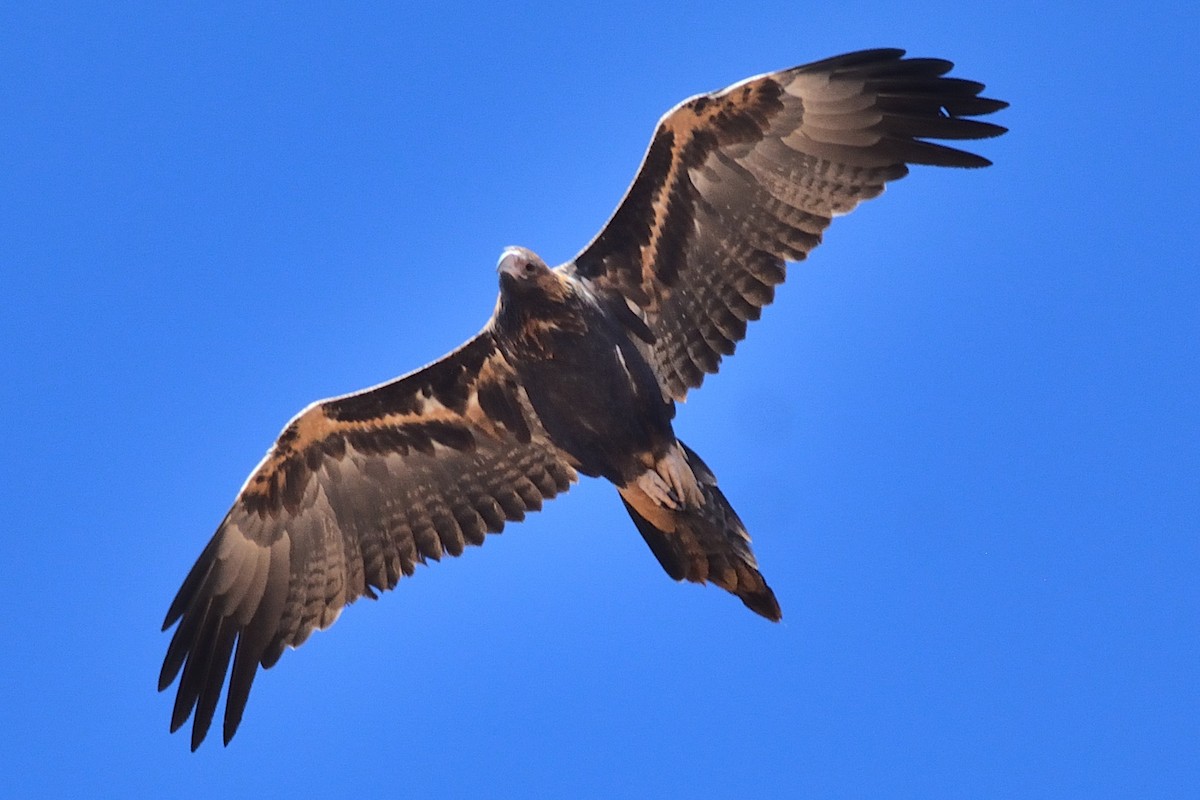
x: 354, y: 494
x: 738, y: 182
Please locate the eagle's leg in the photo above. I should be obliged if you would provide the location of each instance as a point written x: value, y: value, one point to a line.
x: 672, y: 483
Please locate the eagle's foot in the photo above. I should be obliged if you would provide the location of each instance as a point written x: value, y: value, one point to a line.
x: 658, y: 489
x: 671, y: 483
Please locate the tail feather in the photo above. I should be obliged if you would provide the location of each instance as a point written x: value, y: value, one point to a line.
x: 705, y: 543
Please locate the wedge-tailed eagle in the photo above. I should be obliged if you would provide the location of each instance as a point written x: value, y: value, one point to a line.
x: 577, y: 371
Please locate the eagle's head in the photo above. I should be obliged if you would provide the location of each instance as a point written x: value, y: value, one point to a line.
x: 520, y: 269
x: 525, y: 279
x: 534, y: 299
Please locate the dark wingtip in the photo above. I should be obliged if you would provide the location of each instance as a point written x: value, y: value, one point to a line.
x: 763, y: 603
x: 989, y: 105
x: 970, y: 161
x: 233, y: 718
x: 855, y: 59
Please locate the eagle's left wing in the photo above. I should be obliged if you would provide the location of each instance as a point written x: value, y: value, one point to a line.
x: 354, y: 494
x: 737, y: 182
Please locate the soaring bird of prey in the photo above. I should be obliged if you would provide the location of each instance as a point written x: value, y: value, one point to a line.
x: 577, y: 371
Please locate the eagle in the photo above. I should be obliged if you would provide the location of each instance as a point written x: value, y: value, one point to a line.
x: 577, y: 371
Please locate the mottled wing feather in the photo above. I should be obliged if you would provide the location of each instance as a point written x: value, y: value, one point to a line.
x: 356, y: 492
x: 738, y: 182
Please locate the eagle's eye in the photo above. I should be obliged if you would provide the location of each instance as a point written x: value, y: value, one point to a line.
x: 528, y: 269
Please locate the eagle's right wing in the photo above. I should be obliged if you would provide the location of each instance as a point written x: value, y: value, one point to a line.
x: 356, y: 492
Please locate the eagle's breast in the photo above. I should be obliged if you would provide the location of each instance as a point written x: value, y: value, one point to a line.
x: 595, y: 393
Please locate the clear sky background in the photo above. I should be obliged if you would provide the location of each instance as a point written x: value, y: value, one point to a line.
x: 966, y: 438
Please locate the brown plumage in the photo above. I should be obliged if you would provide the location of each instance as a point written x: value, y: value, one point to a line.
x: 577, y: 371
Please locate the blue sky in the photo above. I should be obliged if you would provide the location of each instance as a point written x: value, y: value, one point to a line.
x: 965, y: 439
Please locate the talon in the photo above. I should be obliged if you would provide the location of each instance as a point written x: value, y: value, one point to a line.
x: 657, y: 489
x: 681, y: 477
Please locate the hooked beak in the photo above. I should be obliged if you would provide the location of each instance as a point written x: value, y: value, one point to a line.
x: 511, y: 262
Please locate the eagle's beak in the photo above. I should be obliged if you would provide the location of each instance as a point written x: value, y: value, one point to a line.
x: 510, y: 262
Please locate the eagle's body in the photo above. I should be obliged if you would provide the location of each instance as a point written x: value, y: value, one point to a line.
x: 577, y: 372
x: 589, y: 384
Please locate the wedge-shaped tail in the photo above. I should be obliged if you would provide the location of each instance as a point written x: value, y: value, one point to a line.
x: 704, y: 544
